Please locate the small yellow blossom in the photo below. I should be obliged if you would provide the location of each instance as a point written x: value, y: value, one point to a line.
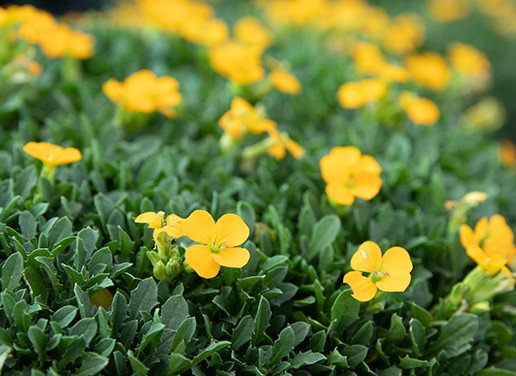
x: 238, y: 62
x: 488, y: 115
x: 250, y: 31
x: 507, y: 153
x: 428, y: 70
x: 280, y: 143
x: 448, y: 10
x: 242, y: 117
x: 349, y: 174
x: 143, y: 92
x: 389, y: 273
x: 218, y: 242
x: 52, y: 155
x: 102, y: 298
x: 490, y: 244
x: 285, y: 82
x: 359, y: 93
x: 420, y: 111
x: 405, y: 34
x: 206, y: 32
x: 159, y: 224
x: 471, y: 63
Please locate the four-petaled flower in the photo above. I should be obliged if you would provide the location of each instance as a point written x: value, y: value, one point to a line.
x: 389, y: 273
x: 218, y: 242
x: 490, y: 245
x: 349, y: 174
x: 159, y: 223
x: 280, y: 143
x: 243, y: 118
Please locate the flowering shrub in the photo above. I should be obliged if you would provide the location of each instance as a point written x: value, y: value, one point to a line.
x: 321, y: 197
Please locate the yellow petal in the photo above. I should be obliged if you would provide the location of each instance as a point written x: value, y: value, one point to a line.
x: 396, y: 260
x: 481, y: 229
x: 200, y: 258
x: 477, y: 254
x: 336, y: 166
x: 367, y: 258
x: 363, y: 288
x: 112, y: 89
x: 396, y: 282
x: 151, y: 218
x: 102, y: 298
x: 294, y: 148
x: 199, y: 227
x: 231, y: 230
x: 340, y: 194
x: 467, y: 237
x: 368, y: 164
x: 366, y: 185
x: 232, y: 257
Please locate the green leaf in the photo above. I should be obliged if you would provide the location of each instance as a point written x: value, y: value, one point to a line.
x: 283, y: 345
x: 27, y: 224
x: 174, y: 311
x: 86, y: 327
x: 136, y: 364
x: 211, y: 349
x: 324, y: 234
x: 12, y: 272
x: 144, y: 297
x: 5, y: 352
x: 345, y: 309
x: 456, y: 335
x: 243, y: 332
x: 64, y: 315
x: 355, y: 354
x: 154, y: 332
x: 184, y: 333
x: 38, y: 340
x: 306, y: 358
x: 261, y: 320
x: 397, y: 332
x: 493, y: 371
x: 409, y: 363
x: 92, y: 364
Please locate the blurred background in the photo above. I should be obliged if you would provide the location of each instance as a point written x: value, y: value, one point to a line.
x: 492, y: 30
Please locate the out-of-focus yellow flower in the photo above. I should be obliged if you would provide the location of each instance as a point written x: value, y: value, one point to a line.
x: 448, y: 10
x: 102, y: 298
x: 250, y: 31
x: 349, y: 174
x: 359, y: 93
x: 218, y: 242
x: 294, y: 12
x: 52, y: 155
x: 143, y: 92
x: 279, y: 143
x: 471, y: 63
x: 488, y: 115
x: 419, y: 110
x: 160, y: 224
x: 206, y: 32
x: 238, y: 62
x: 405, y: 34
x: 428, y: 70
x: 242, y: 117
x: 490, y: 245
x: 470, y: 199
x: 369, y: 59
x: 174, y: 15
x: 389, y: 273
x: 507, y: 153
x: 285, y: 81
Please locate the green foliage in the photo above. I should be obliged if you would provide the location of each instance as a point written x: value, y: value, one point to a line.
x: 287, y: 311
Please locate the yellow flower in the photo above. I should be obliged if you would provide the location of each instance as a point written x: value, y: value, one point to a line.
x: 389, y: 273
x: 294, y: 12
x: 359, y: 93
x: 238, y: 62
x: 218, y: 242
x: 250, y: 31
x: 243, y: 118
x: 507, y: 153
x: 206, y: 32
x: 349, y: 174
x: 143, y: 92
x: 279, y: 143
x: 285, y: 81
x: 52, y: 155
x: 470, y: 62
x: 173, y: 16
x: 420, y: 111
x: 159, y: 224
x: 448, y: 10
x: 405, y: 33
x: 488, y: 115
x: 428, y: 70
x: 490, y: 245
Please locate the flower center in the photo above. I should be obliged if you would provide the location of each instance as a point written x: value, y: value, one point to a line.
x: 378, y: 275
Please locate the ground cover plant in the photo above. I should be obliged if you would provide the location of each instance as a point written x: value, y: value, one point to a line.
x: 281, y: 187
